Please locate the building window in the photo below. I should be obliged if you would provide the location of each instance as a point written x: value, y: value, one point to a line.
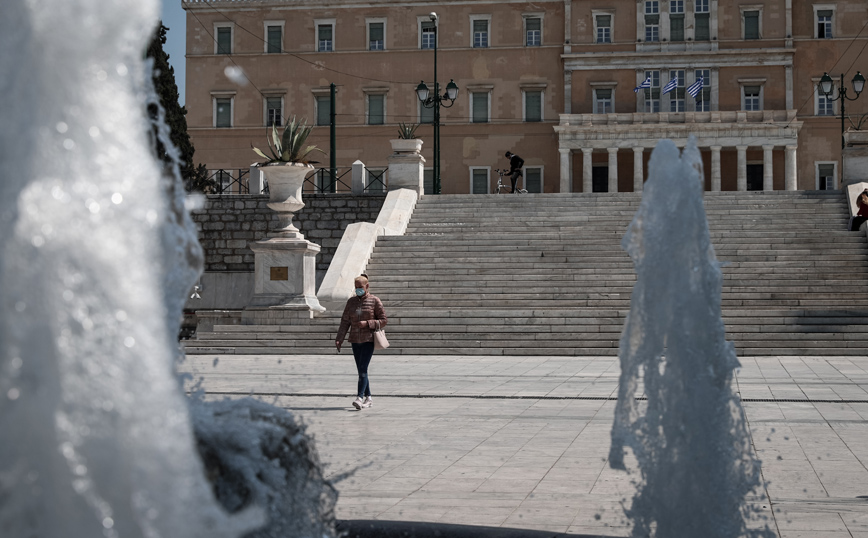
x: 428, y: 35
x: 479, y: 181
x: 751, y: 20
x: 428, y: 180
x: 822, y: 104
x: 376, y: 180
x: 703, y: 100
x: 533, y: 105
x: 603, y: 101
x: 752, y: 97
x: 652, y: 94
x: 701, y: 21
x: 676, y: 20
x: 480, y: 33
x: 824, y: 23
x: 826, y: 176
x: 479, y: 113
x: 376, y: 36
x: 533, y: 179
x: 426, y: 114
x: 224, y: 40
x: 325, y: 37
x: 273, y: 111
x: 273, y: 39
x: 223, y: 112
x: 603, y: 25
x: 652, y: 21
x: 532, y: 31
x: 323, y: 109
x: 676, y: 94
x: 376, y: 109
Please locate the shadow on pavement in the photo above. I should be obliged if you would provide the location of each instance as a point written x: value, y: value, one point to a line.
x: 367, y: 528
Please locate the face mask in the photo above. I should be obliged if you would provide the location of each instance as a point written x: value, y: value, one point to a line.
x: 360, y: 291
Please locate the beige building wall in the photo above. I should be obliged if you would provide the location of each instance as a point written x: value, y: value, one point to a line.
x: 786, y: 62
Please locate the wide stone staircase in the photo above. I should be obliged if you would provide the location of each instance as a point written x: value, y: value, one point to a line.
x: 546, y: 275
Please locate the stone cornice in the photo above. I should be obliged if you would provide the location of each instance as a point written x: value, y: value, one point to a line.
x: 210, y: 5
x: 657, y: 60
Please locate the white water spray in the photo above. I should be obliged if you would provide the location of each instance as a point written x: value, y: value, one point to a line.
x: 96, y: 256
x: 692, y: 444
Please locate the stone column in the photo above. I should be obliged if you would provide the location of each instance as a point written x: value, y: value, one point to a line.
x: 715, y: 168
x: 742, y: 167
x: 587, y: 170
x: 768, y: 172
x: 638, y: 169
x: 790, y: 170
x: 613, y: 169
x: 566, y: 169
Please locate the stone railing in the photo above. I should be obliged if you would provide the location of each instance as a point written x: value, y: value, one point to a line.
x: 633, y: 118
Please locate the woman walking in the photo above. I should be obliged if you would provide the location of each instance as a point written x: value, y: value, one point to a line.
x: 363, y: 315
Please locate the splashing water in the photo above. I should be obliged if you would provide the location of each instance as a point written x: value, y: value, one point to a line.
x: 96, y: 256
x: 692, y: 444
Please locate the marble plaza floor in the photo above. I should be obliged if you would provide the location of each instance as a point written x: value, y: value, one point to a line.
x: 522, y: 442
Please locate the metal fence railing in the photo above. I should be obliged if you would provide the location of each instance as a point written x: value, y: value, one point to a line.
x: 228, y: 181
x: 318, y: 181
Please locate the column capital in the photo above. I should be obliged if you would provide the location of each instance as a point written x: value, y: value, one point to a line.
x: 768, y: 147
x: 587, y: 151
x: 612, y: 150
x: 638, y: 149
x: 792, y: 148
x: 715, y: 148
x: 741, y: 148
x: 564, y: 150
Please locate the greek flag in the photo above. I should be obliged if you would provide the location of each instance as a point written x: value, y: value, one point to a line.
x: 695, y: 88
x: 646, y: 84
x: 671, y: 85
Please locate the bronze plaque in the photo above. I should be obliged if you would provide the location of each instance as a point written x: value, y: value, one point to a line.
x: 280, y: 273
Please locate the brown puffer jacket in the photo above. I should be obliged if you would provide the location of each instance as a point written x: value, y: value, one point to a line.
x: 367, y: 309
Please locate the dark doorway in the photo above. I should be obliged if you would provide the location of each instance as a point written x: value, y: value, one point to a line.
x: 600, y: 179
x: 754, y: 177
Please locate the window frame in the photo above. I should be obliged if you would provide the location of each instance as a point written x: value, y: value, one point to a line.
x: 835, y: 179
x: 603, y: 13
x: 751, y: 8
x: 818, y: 95
x: 706, y: 88
x: 473, y: 19
x: 524, y: 18
x: 825, y: 7
x: 480, y: 91
x: 317, y: 95
x: 215, y: 96
x: 542, y: 99
x: 420, y: 20
x: 317, y: 23
x: 265, y: 97
x: 217, y: 27
x: 648, y: 93
x: 677, y: 15
x: 595, y: 87
x: 422, y: 108
x: 542, y: 182
x: 678, y: 94
x: 368, y: 95
x: 268, y: 24
x: 368, y: 23
x: 743, y: 84
x: 487, y: 170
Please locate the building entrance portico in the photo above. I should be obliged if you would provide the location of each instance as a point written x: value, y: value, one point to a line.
x: 726, y: 139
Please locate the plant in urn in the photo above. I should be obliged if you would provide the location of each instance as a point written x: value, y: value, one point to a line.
x: 285, y: 171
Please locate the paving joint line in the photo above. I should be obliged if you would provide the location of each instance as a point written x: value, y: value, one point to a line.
x: 493, y: 397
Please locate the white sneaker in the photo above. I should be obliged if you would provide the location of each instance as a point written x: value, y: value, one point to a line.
x: 368, y: 402
x: 358, y: 403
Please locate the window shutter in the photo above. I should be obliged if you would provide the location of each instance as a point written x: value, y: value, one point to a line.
x: 533, y: 106
x: 751, y: 24
x: 480, y: 107
x: 375, y: 109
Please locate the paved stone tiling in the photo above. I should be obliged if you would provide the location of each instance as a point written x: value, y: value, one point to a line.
x: 522, y: 441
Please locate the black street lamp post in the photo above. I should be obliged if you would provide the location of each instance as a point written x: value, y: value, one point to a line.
x: 435, y: 101
x: 826, y: 87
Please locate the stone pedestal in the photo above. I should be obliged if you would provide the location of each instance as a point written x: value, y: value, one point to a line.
x: 285, y: 263
x: 407, y: 166
x: 285, y: 277
x: 855, y: 157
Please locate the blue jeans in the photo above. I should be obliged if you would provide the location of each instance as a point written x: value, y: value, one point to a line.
x: 363, y: 353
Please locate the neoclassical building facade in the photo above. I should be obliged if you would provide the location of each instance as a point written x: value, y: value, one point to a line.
x: 582, y: 91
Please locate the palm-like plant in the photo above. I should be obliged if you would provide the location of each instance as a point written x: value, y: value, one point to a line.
x: 289, y: 147
x: 407, y: 132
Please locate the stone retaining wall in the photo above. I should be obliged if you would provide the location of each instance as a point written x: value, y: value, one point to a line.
x: 227, y: 223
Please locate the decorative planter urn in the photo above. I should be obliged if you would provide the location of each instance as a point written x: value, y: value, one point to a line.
x: 406, y: 145
x: 285, y: 183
